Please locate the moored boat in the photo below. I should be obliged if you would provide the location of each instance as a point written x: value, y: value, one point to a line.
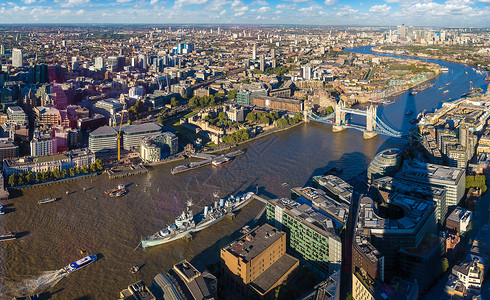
x: 81, y: 263
x: 187, y: 223
x: 445, y: 92
x: 46, y: 200
x: 221, y: 161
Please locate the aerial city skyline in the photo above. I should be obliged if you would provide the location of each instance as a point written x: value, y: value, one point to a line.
x: 449, y: 13
x: 198, y: 149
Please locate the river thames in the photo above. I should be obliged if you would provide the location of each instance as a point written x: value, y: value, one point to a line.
x: 88, y: 220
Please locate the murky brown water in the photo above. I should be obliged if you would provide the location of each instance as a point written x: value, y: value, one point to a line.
x: 91, y: 221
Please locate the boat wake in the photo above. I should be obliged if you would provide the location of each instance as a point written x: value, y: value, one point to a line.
x: 36, y: 285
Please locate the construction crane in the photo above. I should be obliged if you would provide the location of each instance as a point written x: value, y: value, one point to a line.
x: 119, y: 135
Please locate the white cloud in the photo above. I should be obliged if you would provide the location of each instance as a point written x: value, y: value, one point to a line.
x: 223, y: 12
x: 287, y: 6
x: 80, y: 12
x: 239, y: 14
x: 239, y: 6
x: 218, y: 4
x: 383, y: 9
x: 72, y: 3
x: 259, y: 2
x: 392, y: 1
x: 306, y: 9
x: 330, y: 2
x: 123, y: 1
x: 298, y: 1
x: 29, y: 1
x: 181, y: 3
x: 264, y: 9
x: 153, y: 2
x: 278, y: 12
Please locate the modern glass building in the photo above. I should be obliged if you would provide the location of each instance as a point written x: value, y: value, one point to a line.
x: 387, y: 162
x: 311, y: 234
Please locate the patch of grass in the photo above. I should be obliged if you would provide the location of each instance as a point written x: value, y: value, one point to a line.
x: 191, y: 114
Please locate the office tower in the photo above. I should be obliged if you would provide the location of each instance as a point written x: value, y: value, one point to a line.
x: 17, y: 58
x: 307, y: 72
x: 74, y: 63
x: 112, y: 62
x: 262, y: 63
x: 273, y: 53
x: 2, y: 49
x: 99, y: 63
x: 254, y: 52
x: 431, y: 175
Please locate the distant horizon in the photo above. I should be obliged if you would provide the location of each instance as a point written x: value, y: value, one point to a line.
x: 423, y: 13
x: 236, y: 24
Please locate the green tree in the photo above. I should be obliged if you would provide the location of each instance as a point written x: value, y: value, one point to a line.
x: 194, y: 102
x: 174, y: 102
x: 72, y: 172
x: 251, y: 117
x: 274, y: 115
x: 282, y: 122
x: 39, y: 177
x: 329, y: 110
x: 21, y: 180
x: 56, y: 174
x: 160, y: 120
x: 64, y: 173
x: 265, y: 120
x: 129, y: 122
x: 445, y: 265
x: 222, y: 116
x: 219, y: 95
x: 29, y: 177
x: 85, y: 169
x: 232, y: 94
x: 297, y: 117
x: 93, y: 168
x: 13, y: 180
x: 99, y: 164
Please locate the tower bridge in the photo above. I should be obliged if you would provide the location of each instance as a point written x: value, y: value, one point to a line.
x: 374, y: 125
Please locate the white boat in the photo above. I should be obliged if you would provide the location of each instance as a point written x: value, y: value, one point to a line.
x: 81, y: 263
x: 46, y: 200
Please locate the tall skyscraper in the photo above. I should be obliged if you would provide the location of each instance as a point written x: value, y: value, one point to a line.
x: 2, y: 49
x: 99, y: 63
x: 254, y: 52
x: 74, y: 63
x: 17, y: 58
x: 262, y: 63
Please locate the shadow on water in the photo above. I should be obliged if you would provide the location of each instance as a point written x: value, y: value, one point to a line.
x: 21, y: 234
x: 358, y: 157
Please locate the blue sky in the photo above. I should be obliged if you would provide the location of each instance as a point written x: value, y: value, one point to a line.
x: 317, y: 12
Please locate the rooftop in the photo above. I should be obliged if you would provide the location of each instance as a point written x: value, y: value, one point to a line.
x: 425, y: 173
x: 459, y: 214
x: 104, y: 130
x: 316, y: 219
x: 271, y: 275
x: 415, y: 212
x: 339, y: 211
x: 337, y: 186
x: 142, y: 128
x: 255, y: 242
x: 367, y: 248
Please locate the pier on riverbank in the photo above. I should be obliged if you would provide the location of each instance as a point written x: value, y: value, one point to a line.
x: 208, y: 159
x: 131, y: 170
